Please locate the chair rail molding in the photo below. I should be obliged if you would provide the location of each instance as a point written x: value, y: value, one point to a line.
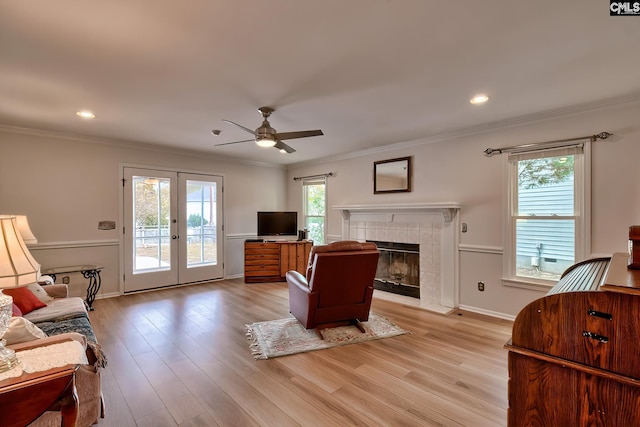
x: 74, y: 244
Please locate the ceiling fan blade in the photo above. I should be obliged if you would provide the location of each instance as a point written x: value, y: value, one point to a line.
x: 299, y: 134
x: 282, y: 146
x: 240, y: 126
x: 235, y: 142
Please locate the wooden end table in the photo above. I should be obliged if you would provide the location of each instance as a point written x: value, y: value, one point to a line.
x: 25, y: 398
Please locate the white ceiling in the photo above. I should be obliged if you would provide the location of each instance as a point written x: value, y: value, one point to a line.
x: 367, y: 72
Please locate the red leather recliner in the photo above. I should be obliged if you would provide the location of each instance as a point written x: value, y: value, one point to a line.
x: 338, y: 286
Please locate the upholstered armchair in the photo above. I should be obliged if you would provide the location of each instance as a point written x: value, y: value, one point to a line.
x: 338, y: 286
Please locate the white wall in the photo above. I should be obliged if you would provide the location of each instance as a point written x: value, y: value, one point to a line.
x: 456, y: 170
x: 66, y: 185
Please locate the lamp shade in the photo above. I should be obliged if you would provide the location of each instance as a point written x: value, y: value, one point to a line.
x: 17, y: 266
x: 25, y: 230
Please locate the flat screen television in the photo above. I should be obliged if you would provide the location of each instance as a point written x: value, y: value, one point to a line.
x: 277, y: 223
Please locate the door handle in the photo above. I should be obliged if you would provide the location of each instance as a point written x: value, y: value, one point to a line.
x: 174, y: 237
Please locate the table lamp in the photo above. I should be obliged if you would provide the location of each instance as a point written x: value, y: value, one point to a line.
x: 17, y: 268
x: 25, y: 230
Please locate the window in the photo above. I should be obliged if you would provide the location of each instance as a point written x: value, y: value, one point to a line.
x: 315, y: 208
x: 548, y: 221
x: 201, y: 223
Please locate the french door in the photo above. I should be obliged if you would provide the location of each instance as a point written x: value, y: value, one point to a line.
x: 172, y: 228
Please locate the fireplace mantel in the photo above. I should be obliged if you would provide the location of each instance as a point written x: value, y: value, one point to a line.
x: 448, y: 209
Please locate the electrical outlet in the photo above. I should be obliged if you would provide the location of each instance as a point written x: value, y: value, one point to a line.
x: 481, y: 286
x: 65, y: 280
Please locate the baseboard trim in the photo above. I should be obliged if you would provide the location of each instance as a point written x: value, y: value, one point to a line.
x: 489, y: 313
x: 109, y: 295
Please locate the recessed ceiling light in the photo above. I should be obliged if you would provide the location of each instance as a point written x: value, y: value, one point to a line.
x: 86, y: 114
x: 479, y: 99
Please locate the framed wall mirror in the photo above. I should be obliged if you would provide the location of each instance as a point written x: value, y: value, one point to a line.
x: 392, y: 176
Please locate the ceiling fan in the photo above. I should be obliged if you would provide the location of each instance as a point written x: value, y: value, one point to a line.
x: 266, y: 136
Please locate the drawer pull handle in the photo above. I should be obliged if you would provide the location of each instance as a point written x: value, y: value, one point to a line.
x: 595, y: 336
x: 600, y: 314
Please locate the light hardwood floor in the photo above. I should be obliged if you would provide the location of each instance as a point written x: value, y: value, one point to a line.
x: 179, y: 356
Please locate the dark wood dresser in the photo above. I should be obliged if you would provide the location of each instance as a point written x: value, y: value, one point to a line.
x: 270, y: 261
x: 574, y: 356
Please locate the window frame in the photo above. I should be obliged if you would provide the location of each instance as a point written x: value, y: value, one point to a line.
x: 315, y: 181
x: 582, y: 212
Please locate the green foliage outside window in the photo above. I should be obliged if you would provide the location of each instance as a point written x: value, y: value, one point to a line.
x: 196, y: 221
x: 536, y: 173
x: 147, y: 201
x: 315, y: 228
x: 315, y: 200
x: 315, y: 204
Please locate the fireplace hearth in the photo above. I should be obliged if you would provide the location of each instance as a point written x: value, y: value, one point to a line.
x: 398, y: 268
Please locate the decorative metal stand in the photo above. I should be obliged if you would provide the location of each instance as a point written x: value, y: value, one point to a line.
x: 94, y: 285
x: 91, y: 272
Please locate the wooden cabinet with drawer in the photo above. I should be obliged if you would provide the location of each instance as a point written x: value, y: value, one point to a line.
x: 261, y: 262
x: 270, y: 261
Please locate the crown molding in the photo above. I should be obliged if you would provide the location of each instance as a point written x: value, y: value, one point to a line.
x: 483, y: 128
x: 541, y: 116
x: 132, y: 144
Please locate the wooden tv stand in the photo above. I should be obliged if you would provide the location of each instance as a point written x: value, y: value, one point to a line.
x: 270, y: 261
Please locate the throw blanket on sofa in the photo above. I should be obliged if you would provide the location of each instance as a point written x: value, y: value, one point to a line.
x: 58, y: 309
x: 82, y: 326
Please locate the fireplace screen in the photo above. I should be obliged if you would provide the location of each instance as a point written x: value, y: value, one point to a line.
x: 398, y: 268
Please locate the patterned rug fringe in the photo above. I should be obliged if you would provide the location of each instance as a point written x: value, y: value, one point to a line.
x: 254, y: 347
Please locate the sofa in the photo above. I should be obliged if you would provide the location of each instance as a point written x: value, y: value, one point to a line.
x: 57, y: 318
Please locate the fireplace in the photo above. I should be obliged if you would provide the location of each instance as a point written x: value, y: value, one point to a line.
x: 433, y: 228
x: 398, y: 268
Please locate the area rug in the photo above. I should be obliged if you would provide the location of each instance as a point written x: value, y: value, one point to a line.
x: 275, y: 338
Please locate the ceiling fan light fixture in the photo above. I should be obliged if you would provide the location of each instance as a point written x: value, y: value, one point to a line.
x: 266, y: 136
x: 265, y: 141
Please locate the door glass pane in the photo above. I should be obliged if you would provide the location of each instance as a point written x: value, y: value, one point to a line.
x: 151, y: 204
x: 201, y: 223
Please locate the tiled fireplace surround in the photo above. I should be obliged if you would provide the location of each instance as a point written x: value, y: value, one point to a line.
x: 434, y: 226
